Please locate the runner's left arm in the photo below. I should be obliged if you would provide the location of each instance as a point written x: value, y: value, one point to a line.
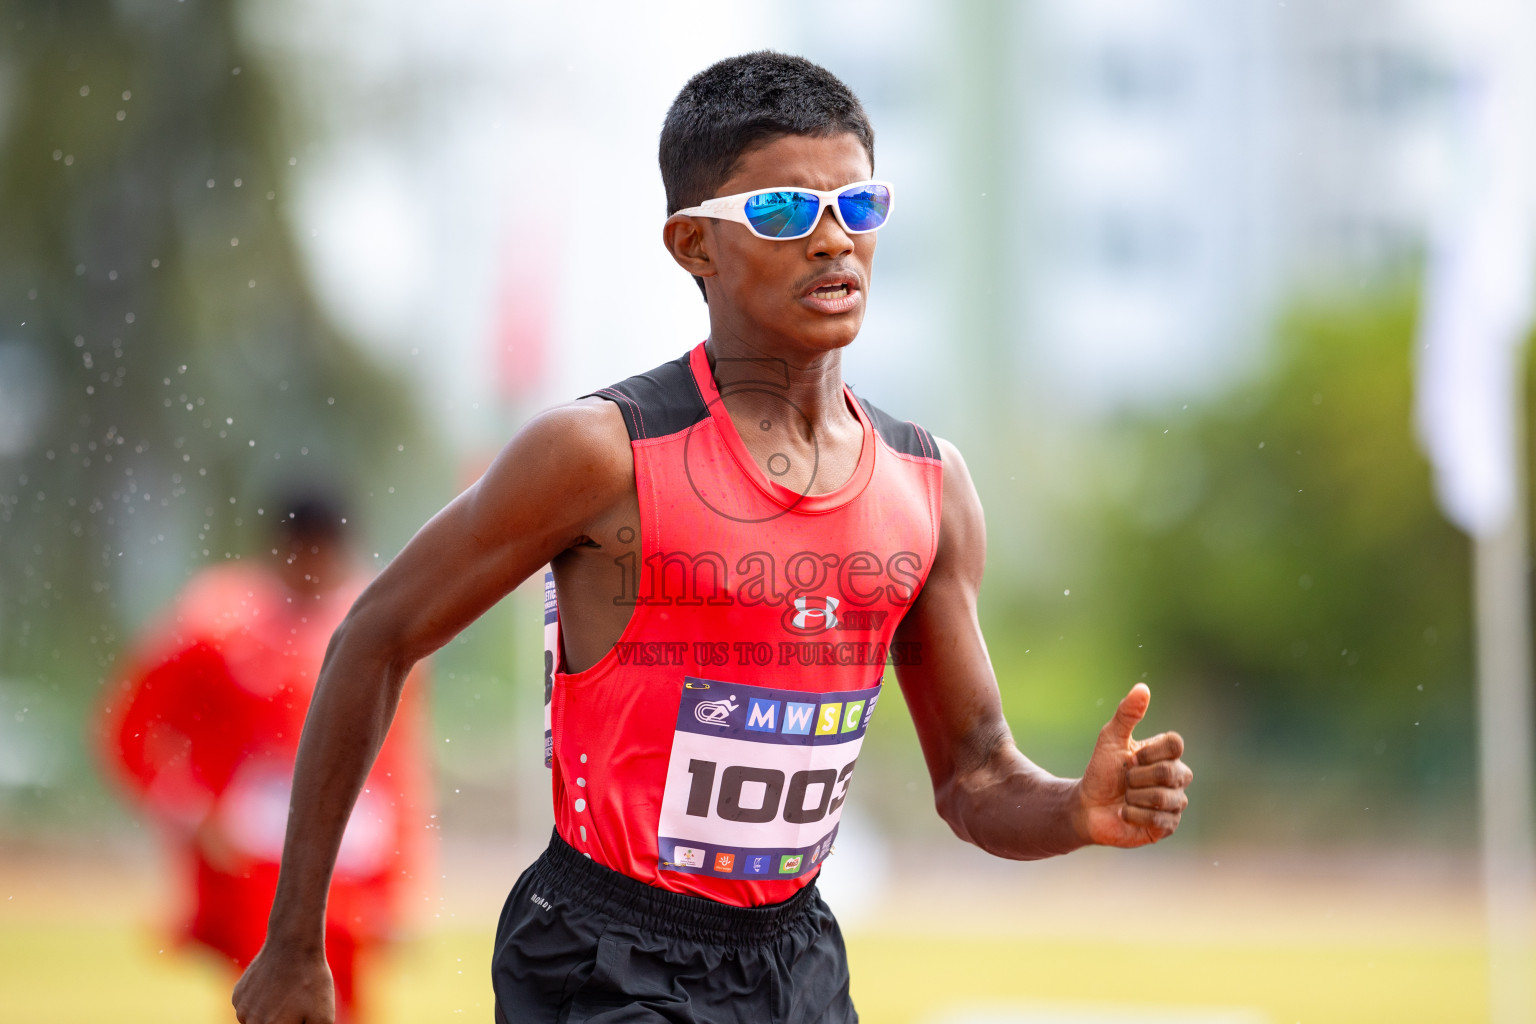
x: 1130, y: 794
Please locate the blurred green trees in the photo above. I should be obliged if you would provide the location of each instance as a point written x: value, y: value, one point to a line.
x: 1273, y: 564
x: 164, y: 366
x: 1280, y: 557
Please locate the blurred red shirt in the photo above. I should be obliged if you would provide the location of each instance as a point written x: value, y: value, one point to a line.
x: 203, y: 726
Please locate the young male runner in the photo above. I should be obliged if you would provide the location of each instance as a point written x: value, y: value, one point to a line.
x: 740, y: 545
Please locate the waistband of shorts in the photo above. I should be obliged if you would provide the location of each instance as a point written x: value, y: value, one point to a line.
x: 576, y: 877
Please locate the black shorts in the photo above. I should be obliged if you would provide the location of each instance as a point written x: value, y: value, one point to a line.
x: 580, y: 942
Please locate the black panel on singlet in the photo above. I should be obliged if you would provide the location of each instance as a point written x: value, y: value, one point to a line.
x: 902, y: 435
x: 666, y: 400
x: 658, y: 402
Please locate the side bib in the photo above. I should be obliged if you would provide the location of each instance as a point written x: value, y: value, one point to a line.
x: 757, y: 777
x: 551, y: 659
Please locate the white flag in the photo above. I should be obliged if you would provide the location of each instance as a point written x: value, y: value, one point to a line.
x: 1478, y: 295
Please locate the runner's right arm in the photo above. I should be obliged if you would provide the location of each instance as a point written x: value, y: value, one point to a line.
x: 562, y: 471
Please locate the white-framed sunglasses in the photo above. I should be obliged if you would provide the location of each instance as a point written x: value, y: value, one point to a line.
x: 785, y: 214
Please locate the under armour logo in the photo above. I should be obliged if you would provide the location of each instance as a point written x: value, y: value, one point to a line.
x: 716, y: 712
x: 814, y: 614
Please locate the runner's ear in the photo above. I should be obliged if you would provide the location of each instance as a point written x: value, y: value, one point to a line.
x: 689, y: 240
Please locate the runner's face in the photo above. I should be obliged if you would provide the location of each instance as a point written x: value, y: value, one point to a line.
x: 812, y: 289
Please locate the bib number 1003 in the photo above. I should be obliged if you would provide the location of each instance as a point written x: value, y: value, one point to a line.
x: 831, y: 790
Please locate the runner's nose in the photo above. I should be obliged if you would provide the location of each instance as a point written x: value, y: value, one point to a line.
x: 828, y: 240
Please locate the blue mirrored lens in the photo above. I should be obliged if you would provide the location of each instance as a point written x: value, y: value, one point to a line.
x: 783, y: 214
x: 864, y: 208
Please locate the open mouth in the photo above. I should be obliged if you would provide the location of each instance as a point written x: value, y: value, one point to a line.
x: 833, y: 292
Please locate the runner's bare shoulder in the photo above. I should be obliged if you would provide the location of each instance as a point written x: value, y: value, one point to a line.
x: 565, y: 465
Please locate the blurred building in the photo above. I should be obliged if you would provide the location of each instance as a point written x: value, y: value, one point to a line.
x: 1194, y: 164
x: 1168, y: 173
x: 482, y: 202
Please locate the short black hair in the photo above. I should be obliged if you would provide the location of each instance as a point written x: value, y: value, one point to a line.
x: 312, y: 513
x: 741, y: 102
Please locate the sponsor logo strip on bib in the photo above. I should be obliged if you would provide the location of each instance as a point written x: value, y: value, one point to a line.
x: 757, y: 777
x: 734, y: 862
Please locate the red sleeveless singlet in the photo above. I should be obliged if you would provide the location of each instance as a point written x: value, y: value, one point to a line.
x: 710, y: 751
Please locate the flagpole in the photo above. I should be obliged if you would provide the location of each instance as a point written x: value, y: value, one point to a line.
x: 1502, y: 602
x: 1479, y: 307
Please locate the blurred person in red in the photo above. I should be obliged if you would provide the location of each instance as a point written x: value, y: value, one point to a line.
x: 202, y: 728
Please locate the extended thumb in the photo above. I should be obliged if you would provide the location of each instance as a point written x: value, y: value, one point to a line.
x: 1132, y: 709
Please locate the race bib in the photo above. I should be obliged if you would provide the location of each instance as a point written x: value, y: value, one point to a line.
x: 757, y: 778
x: 551, y: 659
